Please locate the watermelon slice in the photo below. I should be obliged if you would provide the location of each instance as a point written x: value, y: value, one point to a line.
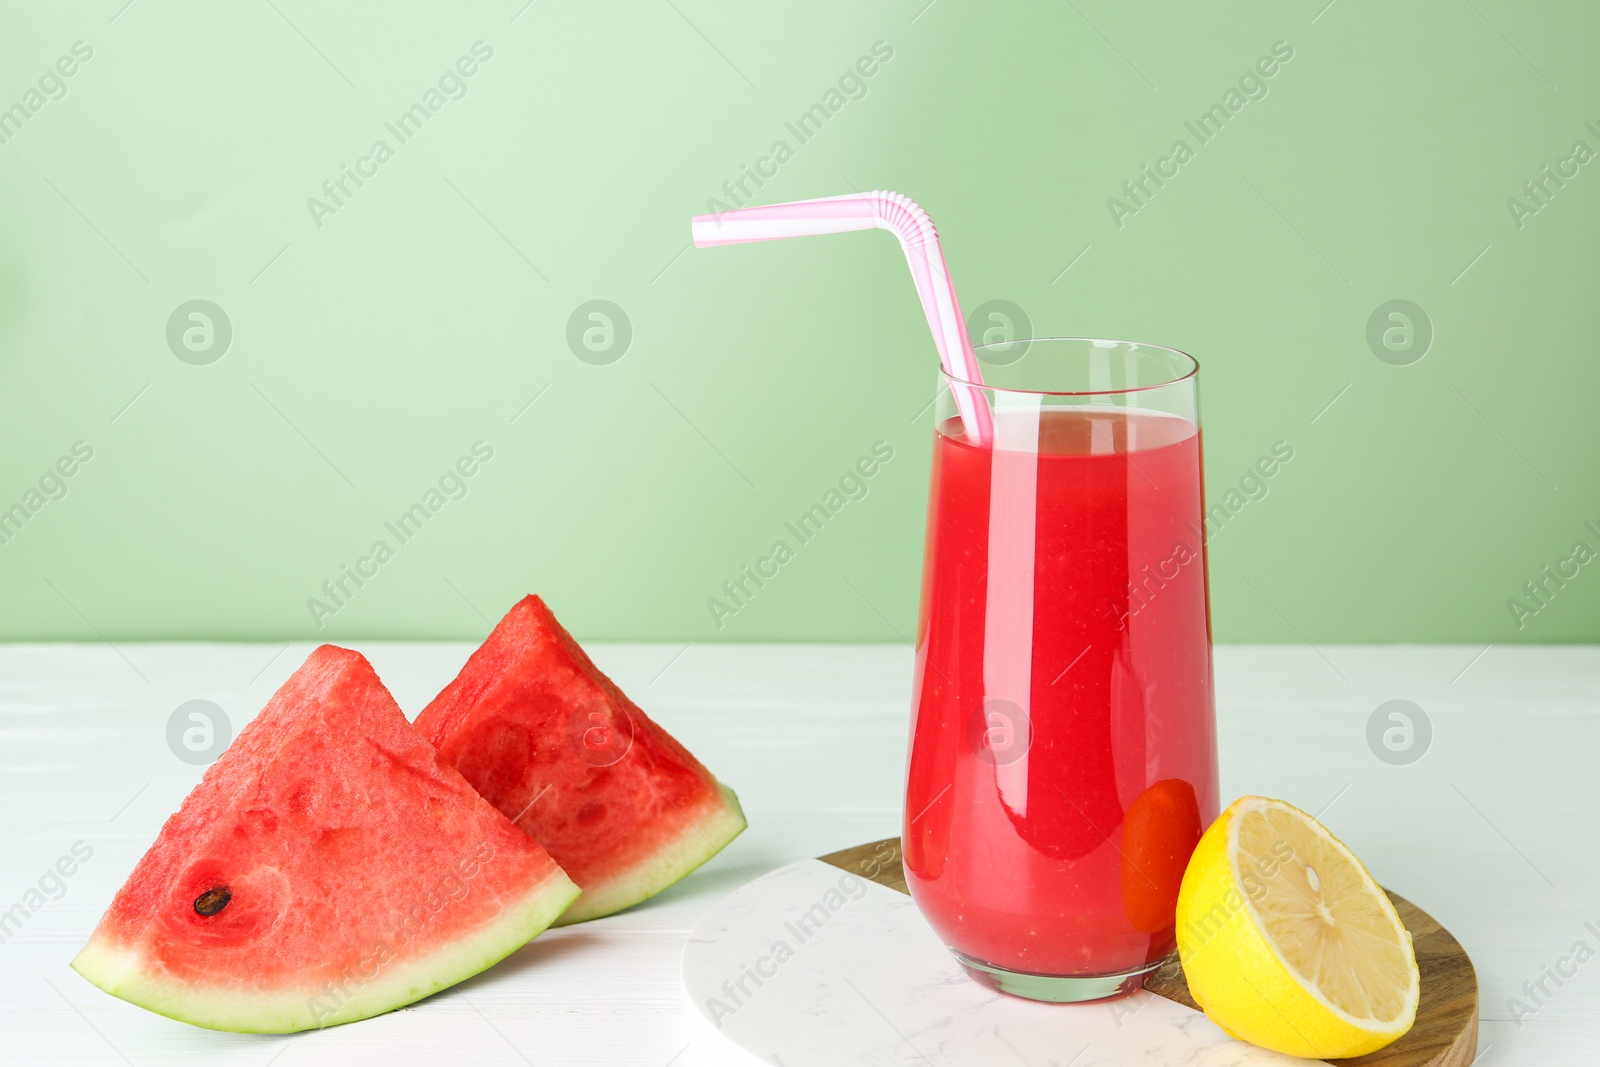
x: 328, y: 867
x: 549, y: 740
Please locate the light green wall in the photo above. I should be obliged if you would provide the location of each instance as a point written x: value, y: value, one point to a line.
x: 370, y: 352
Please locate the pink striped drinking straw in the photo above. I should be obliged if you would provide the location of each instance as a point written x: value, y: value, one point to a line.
x: 919, y: 240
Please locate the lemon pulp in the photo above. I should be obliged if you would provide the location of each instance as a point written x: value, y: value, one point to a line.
x: 1288, y: 942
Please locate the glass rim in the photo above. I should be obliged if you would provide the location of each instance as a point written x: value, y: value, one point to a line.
x: 1184, y: 357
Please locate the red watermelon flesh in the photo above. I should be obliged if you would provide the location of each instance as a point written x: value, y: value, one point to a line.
x: 328, y: 867
x: 555, y: 745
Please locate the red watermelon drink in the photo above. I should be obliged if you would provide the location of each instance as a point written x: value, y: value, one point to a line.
x: 1063, y: 755
x: 1063, y: 760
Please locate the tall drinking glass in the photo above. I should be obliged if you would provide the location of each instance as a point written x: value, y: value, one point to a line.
x: 1063, y: 749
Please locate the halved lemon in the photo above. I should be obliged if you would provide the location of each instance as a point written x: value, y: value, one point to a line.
x: 1287, y: 942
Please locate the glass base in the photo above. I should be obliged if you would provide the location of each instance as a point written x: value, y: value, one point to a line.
x: 1058, y: 989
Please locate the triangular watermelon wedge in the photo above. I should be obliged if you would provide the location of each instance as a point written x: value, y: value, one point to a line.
x: 327, y: 868
x: 549, y: 740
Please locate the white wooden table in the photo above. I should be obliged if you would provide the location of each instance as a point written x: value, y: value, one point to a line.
x: 1493, y: 831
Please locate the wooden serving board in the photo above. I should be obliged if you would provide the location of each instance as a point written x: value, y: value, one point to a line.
x: 1444, y: 1035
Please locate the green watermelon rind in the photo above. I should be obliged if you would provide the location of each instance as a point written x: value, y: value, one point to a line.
x: 667, y: 866
x: 120, y: 972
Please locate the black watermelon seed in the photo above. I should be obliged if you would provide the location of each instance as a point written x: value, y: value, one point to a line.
x: 213, y: 900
